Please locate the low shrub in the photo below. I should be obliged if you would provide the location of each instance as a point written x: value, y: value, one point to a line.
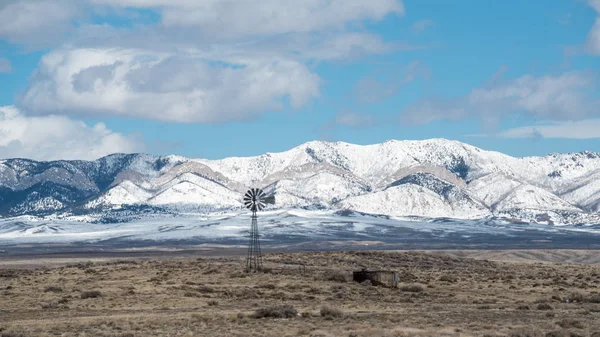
x: 284, y: 311
x: 53, y: 289
x: 412, y: 288
x: 331, y: 312
x: 206, y: 289
x: 594, y: 298
x: 336, y: 276
x: 574, y: 298
x: 544, y: 306
x: 570, y: 323
x: 11, y: 334
x: 91, y: 294
x: 448, y: 278
x: 49, y: 305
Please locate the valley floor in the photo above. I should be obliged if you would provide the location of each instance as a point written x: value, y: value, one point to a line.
x: 441, y: 293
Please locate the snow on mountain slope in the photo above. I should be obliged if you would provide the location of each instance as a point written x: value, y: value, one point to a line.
x: 373, y: 163
x: 192, y: 169
x: 493, y: 188
x: 585, y: 192
x: 407, y: 200
x: 185, y: 189
x: 125, y: 193
x: 531, y: 197
x: 420, y: 194
x: 429, y: 178
x: 556, y: 172
x: 440, y: 172
x: 186, y: 193
x: 321, y: 188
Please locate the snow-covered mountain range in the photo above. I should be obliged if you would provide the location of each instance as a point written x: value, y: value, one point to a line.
x: 434, y: 178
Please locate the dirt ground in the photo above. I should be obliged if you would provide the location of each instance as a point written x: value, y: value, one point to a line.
x: 440, y: 294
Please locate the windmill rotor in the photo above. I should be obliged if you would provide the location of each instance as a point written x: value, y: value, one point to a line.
x: 256, y: 200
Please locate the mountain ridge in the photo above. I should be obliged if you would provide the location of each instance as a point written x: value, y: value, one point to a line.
x: 440, y: 178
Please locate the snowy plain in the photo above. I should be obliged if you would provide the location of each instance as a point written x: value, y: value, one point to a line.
x: 281, y: 227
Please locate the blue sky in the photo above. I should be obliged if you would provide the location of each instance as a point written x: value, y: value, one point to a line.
x: 214, y: 78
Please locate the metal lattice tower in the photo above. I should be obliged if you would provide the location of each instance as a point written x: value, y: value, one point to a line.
x: 255, y: 200
x: 254, y: 258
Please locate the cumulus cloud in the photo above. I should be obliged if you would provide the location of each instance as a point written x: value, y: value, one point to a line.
x: 204, y: 61
x: 36, y: 22
x: 568, y: 96
x: 58, y: 137
x: 584, y: 129
x: 162, y: 86
x: 5, y: 66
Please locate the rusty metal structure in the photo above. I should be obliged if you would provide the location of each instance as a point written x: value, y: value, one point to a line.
x: 382, y: 278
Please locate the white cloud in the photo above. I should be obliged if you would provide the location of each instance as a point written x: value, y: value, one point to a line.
x: 584, y: 129
x: 160, y: 86
x: 36, y: 22
x: 58, y: 137
x: 568, y: 96
x: 422, y: 25
x: 343, y: 46
x: 242, y: 18
x: 5, y: 66
x: 593, y: 38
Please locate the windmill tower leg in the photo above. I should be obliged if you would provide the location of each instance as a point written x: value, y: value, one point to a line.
x: 254, y: 258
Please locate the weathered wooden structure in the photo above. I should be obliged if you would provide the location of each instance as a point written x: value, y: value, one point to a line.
x: 382, y: 278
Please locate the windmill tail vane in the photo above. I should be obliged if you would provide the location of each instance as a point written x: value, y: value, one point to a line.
x: 255, y: 200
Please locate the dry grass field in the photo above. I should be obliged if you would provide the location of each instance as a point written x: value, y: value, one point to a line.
x: 441, y: 294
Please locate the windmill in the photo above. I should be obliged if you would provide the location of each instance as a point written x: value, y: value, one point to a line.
x: 255, y: 200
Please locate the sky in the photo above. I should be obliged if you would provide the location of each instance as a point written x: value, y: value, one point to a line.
x: 81, y: 79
